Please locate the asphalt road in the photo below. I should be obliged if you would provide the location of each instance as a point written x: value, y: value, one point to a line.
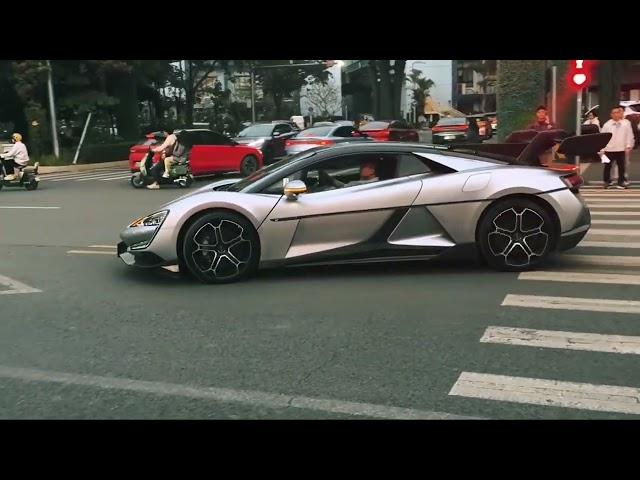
x: 84, y: 336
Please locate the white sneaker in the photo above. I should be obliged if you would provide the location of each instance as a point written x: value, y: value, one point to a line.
x: 153, y: 186
x: 165, y: 175
x: 10, y: 177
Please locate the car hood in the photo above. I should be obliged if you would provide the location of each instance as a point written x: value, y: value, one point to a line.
x: 210, y: 187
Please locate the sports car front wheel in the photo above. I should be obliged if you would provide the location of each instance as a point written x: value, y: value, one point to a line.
x: 221, y: 247
x: 516, y: 235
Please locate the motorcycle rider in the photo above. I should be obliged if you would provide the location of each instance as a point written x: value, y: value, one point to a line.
x: 166, y: 150
x: 17, y: 157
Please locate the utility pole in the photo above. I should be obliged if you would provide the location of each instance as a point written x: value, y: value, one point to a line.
x: 52, y: 111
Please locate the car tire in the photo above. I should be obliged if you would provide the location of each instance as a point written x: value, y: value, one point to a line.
x: 248, y: 165
x: 515, y: 235
x: 221, y: 247
x: 137, y: 181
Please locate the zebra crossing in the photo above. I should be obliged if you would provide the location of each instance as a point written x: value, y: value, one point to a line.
x: 100, y: 175
x: 617, y: 274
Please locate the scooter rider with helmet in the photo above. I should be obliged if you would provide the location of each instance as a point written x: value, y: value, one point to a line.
x: 16, y: 158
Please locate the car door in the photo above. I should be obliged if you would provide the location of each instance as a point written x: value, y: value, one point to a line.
x: 215, y: 153
x: 281, y: 133
x: 333, y: 224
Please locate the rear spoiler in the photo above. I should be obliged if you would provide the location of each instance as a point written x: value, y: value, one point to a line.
x: 524, y: 147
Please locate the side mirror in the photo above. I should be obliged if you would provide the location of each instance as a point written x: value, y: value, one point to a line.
x: 294, y: 188
x: 276, y: 134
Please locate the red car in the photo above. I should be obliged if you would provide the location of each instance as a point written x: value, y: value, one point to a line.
x: 210, y: 153
x: 390, y: 131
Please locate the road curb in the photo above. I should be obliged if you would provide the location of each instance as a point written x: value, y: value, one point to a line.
x: 83, y: 167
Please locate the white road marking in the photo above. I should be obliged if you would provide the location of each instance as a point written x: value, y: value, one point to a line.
x: 114, y: 178
x: 592, y: 342
x: 172, y: 268
x: 110, y: 176
x: 629, y: 200
x: 615, y: 222
x: 87, y: 176
x: 9, y: 207
x: 614, y: 213
x: 596, y: 244
x: 227, y: 395
x: 579, y: 277
x: 604, y: 260
x: 15, y: 286
x: 615, y: 232
x: 90, y: 252
x: 608, y: 205
x: 551, y: 393
x: 572, y: 303
x: 102, y: 246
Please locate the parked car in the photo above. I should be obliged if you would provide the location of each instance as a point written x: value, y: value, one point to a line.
x: 325, y: 135
x: 390, y: 131
x: 484, y: 125
x: 453, y: 130
x: 269, y: 138
x: 210, y: 153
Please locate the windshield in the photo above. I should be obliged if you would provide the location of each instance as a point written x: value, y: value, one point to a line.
x: 451, y: 121
x: 264, y: 171
x: 257, y: 131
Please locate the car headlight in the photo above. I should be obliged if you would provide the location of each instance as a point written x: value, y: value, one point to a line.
x: 153, y: 220
x: 257, y: 143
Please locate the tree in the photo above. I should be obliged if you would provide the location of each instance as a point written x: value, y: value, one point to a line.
x: 420, y: 89
x: 281, y: 82
x: 387, y: 78
x: 324, y: 97
x: 609, y: 82
x: 520, y: 88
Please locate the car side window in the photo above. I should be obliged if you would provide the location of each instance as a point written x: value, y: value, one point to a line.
x: 411, y: 165
x: 282, y: 128
x: 343, y: 132
x: 213, y: 138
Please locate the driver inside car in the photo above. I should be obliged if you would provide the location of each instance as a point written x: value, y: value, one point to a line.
x: 368, y: 174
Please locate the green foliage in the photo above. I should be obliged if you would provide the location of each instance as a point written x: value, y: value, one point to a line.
x: 520, y: 88
x: 420, y: 88
x: 112, y: 152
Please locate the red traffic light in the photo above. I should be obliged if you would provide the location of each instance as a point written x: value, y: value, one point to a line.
x: 578, y: 75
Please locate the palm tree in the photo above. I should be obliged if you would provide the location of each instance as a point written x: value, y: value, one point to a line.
x: 420, y: 88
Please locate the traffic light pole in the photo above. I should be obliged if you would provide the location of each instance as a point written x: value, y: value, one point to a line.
x: 578, y: 121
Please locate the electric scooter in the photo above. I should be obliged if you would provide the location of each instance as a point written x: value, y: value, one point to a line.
x: 180, y: 174
x: 26, y: 178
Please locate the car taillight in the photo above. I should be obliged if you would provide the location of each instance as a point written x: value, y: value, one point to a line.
x: 288, y: 143
x: 574, y: 181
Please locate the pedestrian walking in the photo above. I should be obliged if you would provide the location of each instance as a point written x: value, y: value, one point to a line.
x: 618, y: 147
x: 592, y: 119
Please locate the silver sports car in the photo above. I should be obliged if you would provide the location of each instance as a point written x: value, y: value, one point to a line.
x: 367, y: 202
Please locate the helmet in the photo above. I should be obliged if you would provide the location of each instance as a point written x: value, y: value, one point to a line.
x: 17, y: 137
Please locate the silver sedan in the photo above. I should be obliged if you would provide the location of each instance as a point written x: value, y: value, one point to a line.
x: 323, y: 135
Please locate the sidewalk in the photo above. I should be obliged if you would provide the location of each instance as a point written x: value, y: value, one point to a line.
x: 82, y: 167
x: 593, y: 172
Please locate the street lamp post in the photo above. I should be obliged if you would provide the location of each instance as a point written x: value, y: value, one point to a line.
x: 52, y: 112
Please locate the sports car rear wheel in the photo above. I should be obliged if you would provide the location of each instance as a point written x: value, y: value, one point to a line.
x: 516, y: 234
x: 221, y: 247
